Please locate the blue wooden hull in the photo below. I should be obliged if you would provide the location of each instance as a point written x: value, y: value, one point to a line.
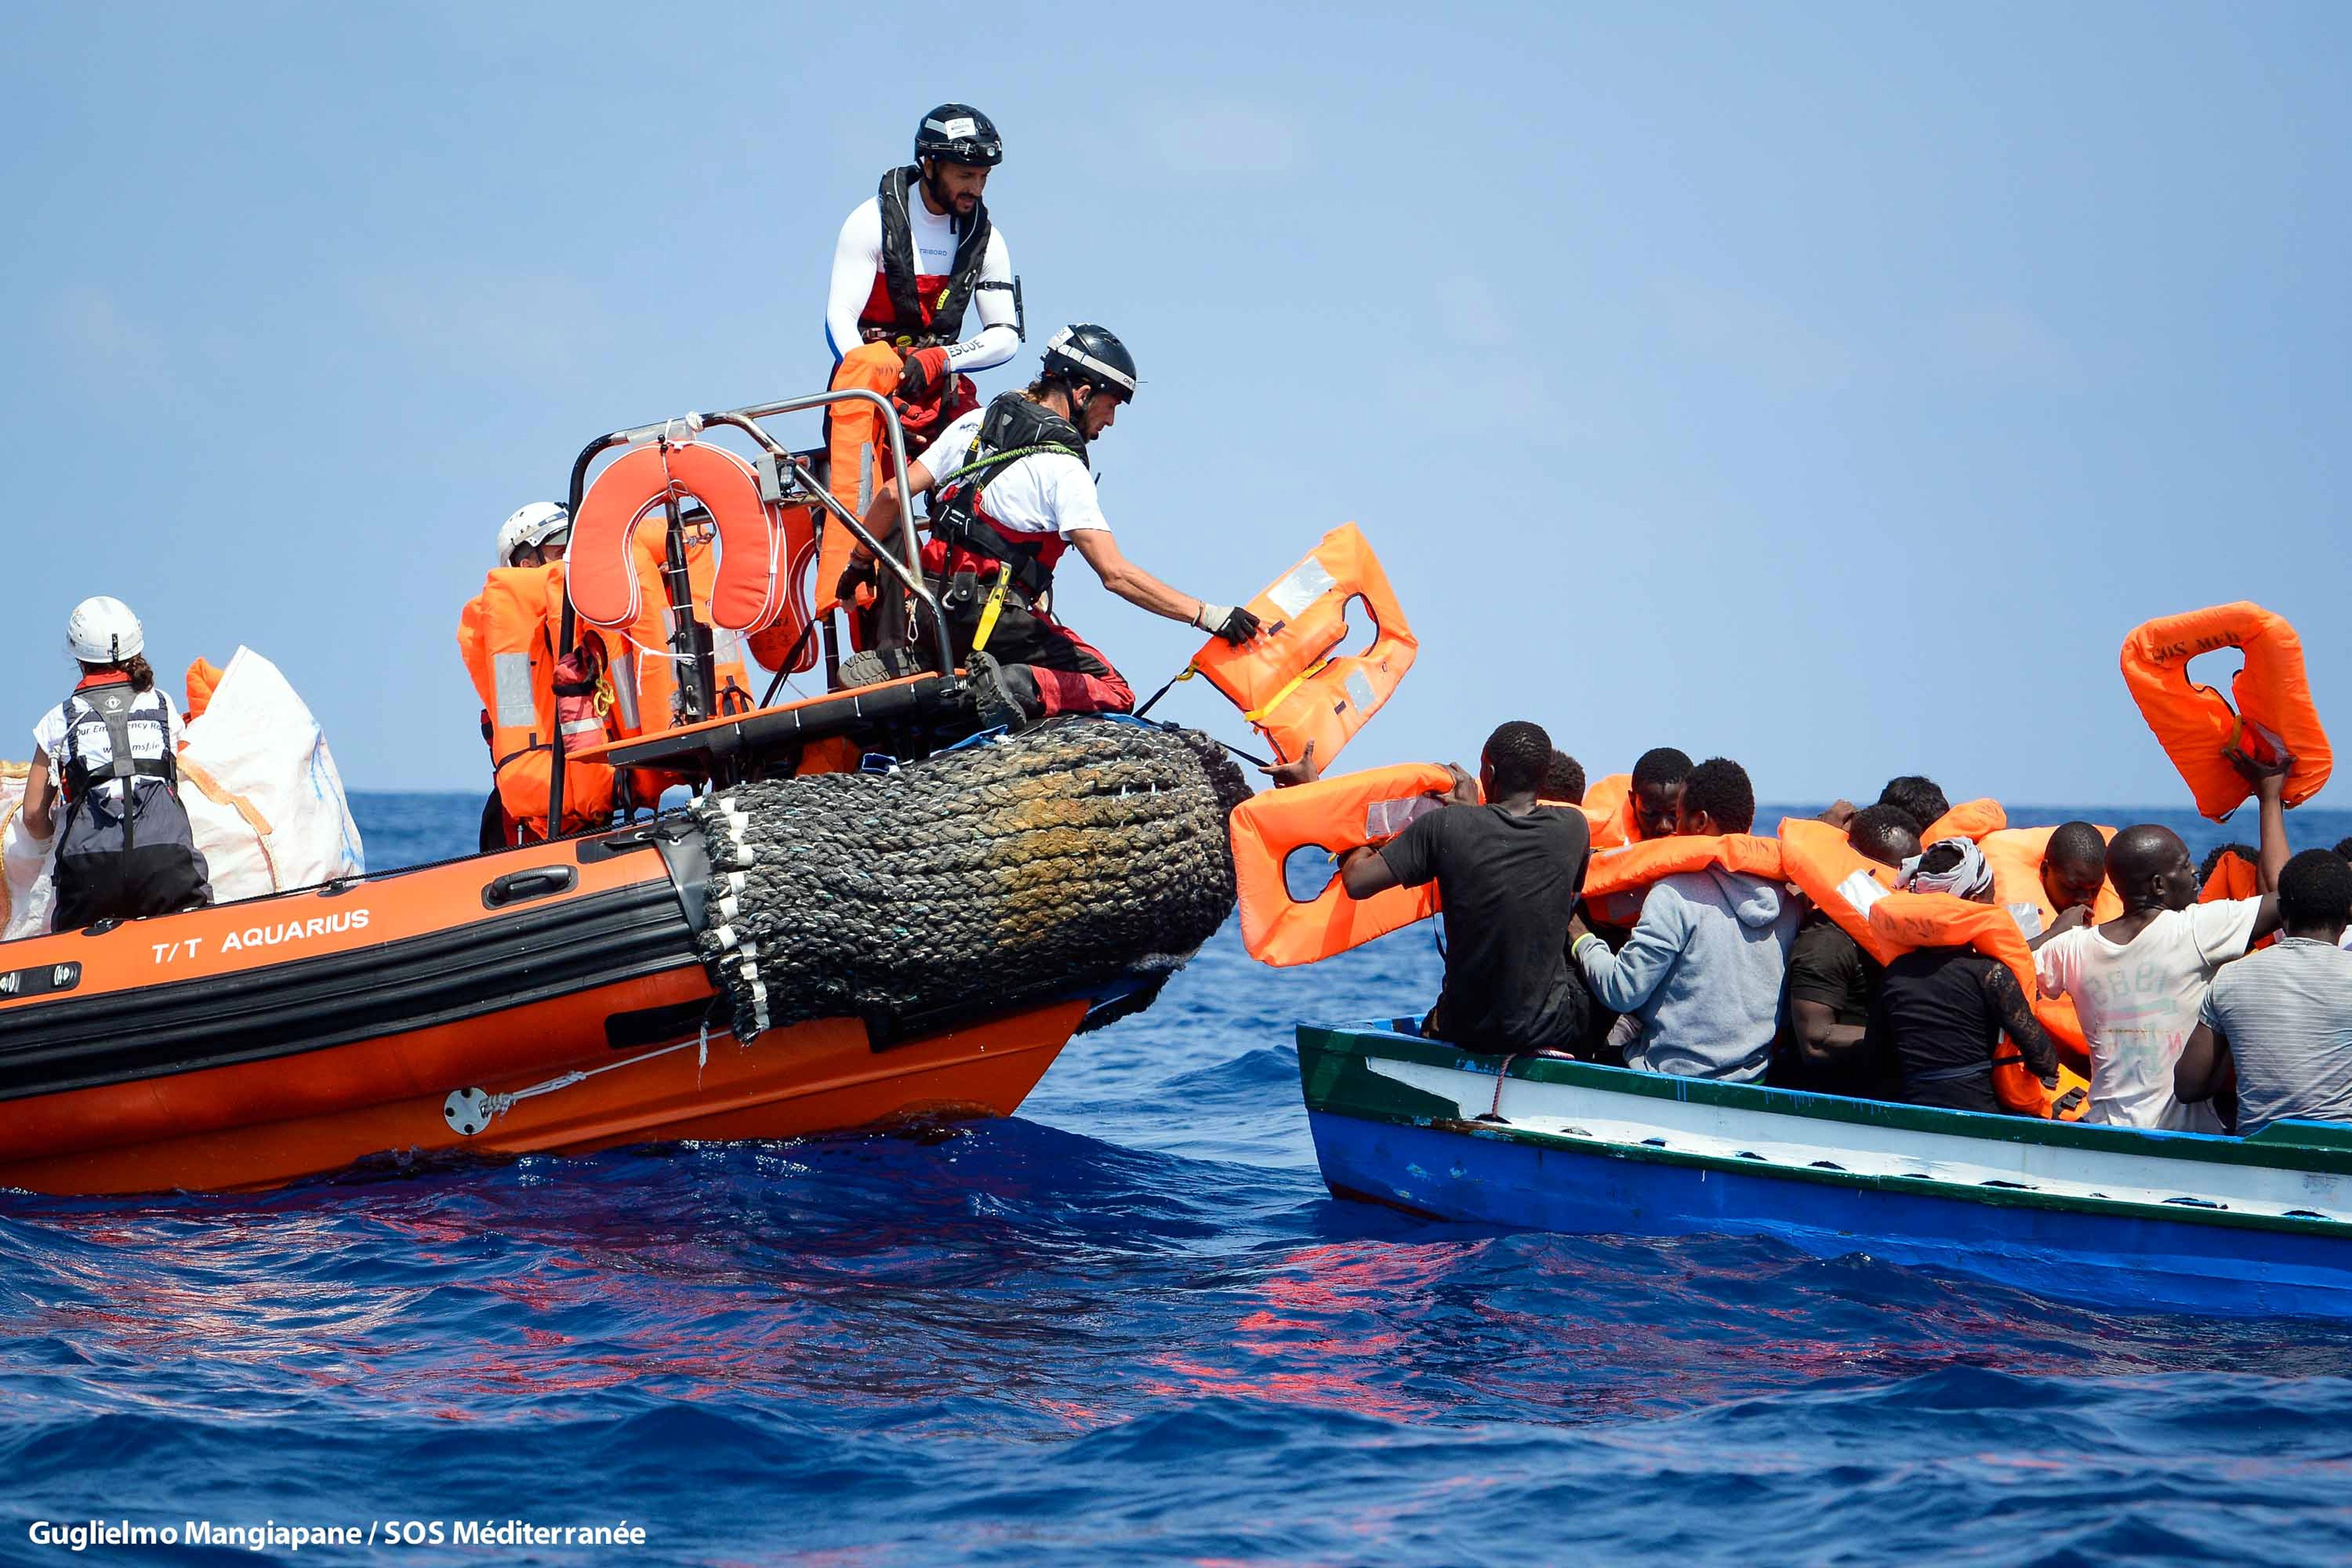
x: 1383, y: 1141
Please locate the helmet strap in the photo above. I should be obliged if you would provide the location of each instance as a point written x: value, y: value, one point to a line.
x: 938, y: 198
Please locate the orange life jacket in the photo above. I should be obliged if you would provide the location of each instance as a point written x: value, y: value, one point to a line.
x: 1287, y: 682
x: 204, y: 679
x: 1843, y: 883
x: 2195, y: 724
x: 1608, y: 810
x: 1971, y: 819
x: 2015, y: 855
x: 857, y: 454
x: 1907, y: 921
x: 507, y: 636
x: 1617, y: 880
x: 2234, y: 876
x: 1338, y: 815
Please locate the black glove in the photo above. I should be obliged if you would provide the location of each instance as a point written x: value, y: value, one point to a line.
x: 924, y: 372
x: 1234, y: 624
x: 852, y: 575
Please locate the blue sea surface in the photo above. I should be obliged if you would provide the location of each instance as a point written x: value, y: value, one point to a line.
x: 1127, y: 1325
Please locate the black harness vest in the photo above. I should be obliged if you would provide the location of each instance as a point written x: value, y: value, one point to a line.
x: 120, y: 709
x: 910, y: 326
x: 1013, y: 428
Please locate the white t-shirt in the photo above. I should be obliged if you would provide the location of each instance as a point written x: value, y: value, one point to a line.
x: 857, y: 266
x: 2139, y: 1003
x: 98, y: 745
x: 1043, y: 493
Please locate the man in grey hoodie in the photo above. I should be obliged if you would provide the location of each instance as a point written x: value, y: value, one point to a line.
x: 1702, y: 969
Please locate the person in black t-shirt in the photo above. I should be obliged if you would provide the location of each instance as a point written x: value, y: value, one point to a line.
x: 1825, y: 1047
x: 1509, y: 873
x: 1944, y: 1010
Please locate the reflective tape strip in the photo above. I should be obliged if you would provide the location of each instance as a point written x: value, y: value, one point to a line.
x: 1307, y: 583
x: 1360, y: 692
x: 511, y: 685
x: 585, y: 727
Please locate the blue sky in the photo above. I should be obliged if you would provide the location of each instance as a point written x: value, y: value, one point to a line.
x: 1829, y: 387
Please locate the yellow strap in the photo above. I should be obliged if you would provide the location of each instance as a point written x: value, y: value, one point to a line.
x: 1257, y: 715
x: 990, y: 611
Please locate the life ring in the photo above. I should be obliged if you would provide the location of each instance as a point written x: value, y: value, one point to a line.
x: 747, y: 591
x: 1285, y: 680
x: 2196, y: 724
x: 1338, y: 815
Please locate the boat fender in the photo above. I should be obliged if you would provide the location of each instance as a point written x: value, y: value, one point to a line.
x: 2198, y: 727
x: 1335, y: 815
x: 1286, y: 680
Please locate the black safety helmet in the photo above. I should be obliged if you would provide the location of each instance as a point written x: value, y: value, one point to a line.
x: 961, y: 134
x: 1092, y: 356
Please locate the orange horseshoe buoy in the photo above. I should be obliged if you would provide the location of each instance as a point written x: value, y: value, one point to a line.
x: 1286, y: 682
x: 748, y: 590
x: 1338, y: 815
x: 2196, y: 724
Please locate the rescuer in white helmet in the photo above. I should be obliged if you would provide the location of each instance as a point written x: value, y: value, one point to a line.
x: 105, y: 781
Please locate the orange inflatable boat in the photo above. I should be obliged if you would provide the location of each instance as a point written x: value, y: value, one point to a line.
x: 594, y: 991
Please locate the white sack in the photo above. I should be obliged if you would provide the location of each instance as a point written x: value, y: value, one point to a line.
x: 25, y: 861
x: 261, y: 790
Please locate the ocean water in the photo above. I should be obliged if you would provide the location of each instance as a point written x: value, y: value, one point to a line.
x: 1129, y: 1325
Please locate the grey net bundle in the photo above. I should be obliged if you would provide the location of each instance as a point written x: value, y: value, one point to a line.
x: 1017, y: 868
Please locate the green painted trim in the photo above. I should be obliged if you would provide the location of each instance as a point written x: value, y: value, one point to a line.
x: 2292, y: 1151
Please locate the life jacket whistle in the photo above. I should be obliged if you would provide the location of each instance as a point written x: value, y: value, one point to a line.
x: 2196, y: 725
x: 1617, y: 880
x: 1285, y: 680
x: 1907, y: 921
x: 1337, y: 814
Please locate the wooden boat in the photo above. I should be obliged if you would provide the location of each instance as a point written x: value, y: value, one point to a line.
x: 2114, y: 1217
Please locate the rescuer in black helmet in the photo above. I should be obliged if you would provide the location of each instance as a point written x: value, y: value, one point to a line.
x: 1010, y: 493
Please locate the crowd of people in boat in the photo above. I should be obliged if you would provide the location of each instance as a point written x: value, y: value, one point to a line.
x: 2213, y: 998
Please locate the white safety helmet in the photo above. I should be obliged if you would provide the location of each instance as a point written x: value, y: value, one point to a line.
x: 103, y: 631
x: 541, y: 523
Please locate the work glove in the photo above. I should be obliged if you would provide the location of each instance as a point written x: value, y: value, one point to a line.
x: 855, y: 576
x: 1234, y: 624
x: 924, y: 372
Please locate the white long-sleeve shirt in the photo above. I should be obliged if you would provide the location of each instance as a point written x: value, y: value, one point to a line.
x: 857, y: 282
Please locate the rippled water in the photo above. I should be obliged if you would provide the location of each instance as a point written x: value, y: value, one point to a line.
x: 1127, y: 1325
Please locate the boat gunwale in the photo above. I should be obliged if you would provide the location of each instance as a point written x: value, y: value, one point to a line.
x: 1338, y: 1040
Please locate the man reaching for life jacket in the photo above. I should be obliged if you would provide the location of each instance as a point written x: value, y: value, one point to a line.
x: 1010, y: 492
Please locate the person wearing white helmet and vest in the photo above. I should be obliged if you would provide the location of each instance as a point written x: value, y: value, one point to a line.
x: 506, y: 635
x: 105, y: 781
x: 1010, y: 493
x: 534, y: 535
